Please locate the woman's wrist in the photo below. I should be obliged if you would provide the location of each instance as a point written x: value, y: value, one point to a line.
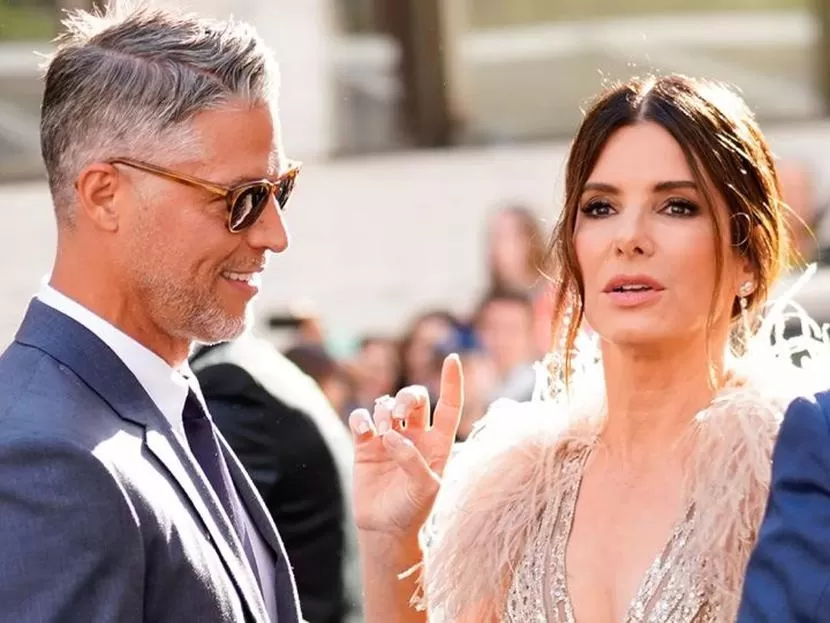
x: 390, y: 549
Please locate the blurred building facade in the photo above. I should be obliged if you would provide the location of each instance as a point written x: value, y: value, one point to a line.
x: 364, y: 76
x: 525, y: 67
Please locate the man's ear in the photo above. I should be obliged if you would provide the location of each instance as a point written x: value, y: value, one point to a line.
x: 96, y: 191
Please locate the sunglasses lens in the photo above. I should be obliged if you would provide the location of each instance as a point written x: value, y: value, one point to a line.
x: 250, y: 203
x: 248, y: 206
x: 283, y: 190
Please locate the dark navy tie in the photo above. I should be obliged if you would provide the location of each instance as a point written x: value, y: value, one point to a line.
x: 205, y: 448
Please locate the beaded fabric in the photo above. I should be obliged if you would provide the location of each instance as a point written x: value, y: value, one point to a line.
x: 672, y: 590
x: 494, y: 544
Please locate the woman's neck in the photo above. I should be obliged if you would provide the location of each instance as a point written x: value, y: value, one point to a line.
x: 652, y: 397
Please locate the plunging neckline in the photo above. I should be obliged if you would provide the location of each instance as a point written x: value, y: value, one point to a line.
x: 655, y: 574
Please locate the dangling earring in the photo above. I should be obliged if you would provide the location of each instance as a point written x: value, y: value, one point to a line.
x: 556, y: 361
x: 567, y: 318
x: 745, y: 291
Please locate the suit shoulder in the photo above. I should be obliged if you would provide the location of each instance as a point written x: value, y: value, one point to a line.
x: 810, y: 410
x: 247, y: 398
x: 223, y: 379
x: 19, y: 366
x: 32, y: 384
x: 45, y: 402
x: 822, y: 401
x: 264, y: 365
x: 807, y: 420
x: 254, y: 370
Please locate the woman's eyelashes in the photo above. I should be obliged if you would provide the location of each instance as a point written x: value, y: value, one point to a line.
x: 597, y: 208
x: 677, y: 207
x: 681, y: 207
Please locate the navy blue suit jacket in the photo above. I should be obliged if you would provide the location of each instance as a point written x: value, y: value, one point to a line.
x: 788, y: 576
x: 104, y: 516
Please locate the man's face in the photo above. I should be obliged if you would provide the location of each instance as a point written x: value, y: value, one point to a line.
x: 193, y: 278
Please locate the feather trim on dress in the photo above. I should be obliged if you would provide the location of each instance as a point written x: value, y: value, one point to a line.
x: 513, y: 469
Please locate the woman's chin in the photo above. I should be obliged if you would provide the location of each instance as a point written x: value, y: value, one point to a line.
x: 639, y: 336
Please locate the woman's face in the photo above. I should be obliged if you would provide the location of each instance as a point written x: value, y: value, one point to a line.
x: 420, y: 356
x: 645, y: 242
x: 509, y: 248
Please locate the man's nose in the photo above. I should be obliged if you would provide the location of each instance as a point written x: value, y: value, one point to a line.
x: 269, y: 232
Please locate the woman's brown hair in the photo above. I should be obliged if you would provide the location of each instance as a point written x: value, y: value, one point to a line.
x: 725, y: 151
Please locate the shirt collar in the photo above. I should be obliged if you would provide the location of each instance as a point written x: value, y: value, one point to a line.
x: 166, y: 386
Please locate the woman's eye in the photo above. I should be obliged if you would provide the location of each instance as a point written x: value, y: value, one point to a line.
x: 597, y: 209
x: 681, y: 207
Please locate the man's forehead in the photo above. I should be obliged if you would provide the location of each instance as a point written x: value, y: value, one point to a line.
x: 277, y: 164
x: 243, y: 133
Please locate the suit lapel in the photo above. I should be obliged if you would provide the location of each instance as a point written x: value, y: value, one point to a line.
x: 207, y: 506
x: 250, y: 496
x: 288, y: 609
x: 79, y: 349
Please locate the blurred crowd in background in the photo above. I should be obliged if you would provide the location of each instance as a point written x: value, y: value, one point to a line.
x: 506, y: 330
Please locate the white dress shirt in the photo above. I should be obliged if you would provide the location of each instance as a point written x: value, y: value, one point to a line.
x: 167, y: 388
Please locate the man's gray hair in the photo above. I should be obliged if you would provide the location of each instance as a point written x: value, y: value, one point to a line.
x: 126, y: 82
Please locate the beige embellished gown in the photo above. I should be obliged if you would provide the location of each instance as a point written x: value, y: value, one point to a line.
x: 670, y: 592
x: 494, y: 545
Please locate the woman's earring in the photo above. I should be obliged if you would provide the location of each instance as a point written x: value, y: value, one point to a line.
x: 558, y: 358
x: 567, y: 318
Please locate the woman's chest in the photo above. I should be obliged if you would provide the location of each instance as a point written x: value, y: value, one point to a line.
x: 615, y: 555
x: 618, y: 536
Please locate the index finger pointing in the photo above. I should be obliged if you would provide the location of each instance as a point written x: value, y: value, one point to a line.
x: 451, y: 397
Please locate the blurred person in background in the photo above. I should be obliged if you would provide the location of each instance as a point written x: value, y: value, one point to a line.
x: 310, y: 330
x: 504, y: 325
x: 332, y: 377
x: 426, y: 335
x: 302, y: 319
x: 375, y: 369
x: 480, y: 374
x: 515, y: 249
x: 517, y: 260
x: 480, y: 377
x: 298, y: 454
x: 799, y: 193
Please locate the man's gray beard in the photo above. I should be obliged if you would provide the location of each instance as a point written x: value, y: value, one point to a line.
x: 186, y: 314
x: 211, y: 325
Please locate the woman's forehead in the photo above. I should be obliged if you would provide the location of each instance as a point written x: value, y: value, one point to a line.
x: 641, y: 155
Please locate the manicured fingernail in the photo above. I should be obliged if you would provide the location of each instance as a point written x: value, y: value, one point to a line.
x: 384, y: 401
x: 383, y: 427
x: 361, y: 421
x: 362, y: 426
x: 399, y: 412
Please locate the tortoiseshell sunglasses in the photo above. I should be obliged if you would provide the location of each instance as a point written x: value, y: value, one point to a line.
x: 246, y: 201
